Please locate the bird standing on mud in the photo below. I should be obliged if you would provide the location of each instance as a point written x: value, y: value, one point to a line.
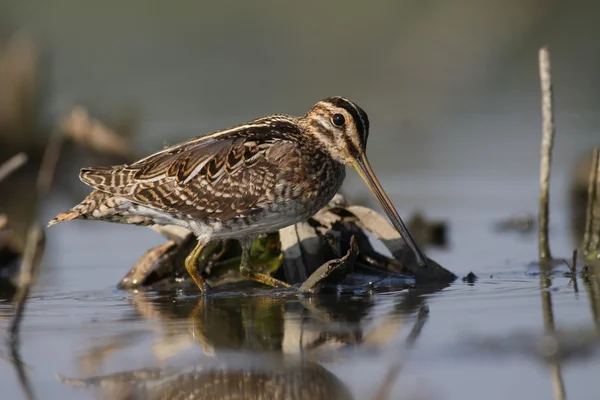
x: 238, y: 183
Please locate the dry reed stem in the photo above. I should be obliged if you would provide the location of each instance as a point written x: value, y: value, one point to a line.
x: 558, y: 384
x: 591, y: 282
x: 49, y: 163
x: 12, y: 164
x: 19, y: 65
x: 546, y: 153
x: 591, y: 237
x: 93, y: 134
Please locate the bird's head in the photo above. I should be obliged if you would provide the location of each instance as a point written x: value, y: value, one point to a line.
x: 342, y: 129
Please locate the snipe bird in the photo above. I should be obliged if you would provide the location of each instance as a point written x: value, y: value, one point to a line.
x: 237, y: 183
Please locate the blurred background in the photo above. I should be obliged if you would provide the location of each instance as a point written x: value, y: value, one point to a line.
x: 444, y: 82
x: 451, y: 88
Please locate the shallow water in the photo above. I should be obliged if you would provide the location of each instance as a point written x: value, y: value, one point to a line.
x: 454, y: 101
x: 477, y: 341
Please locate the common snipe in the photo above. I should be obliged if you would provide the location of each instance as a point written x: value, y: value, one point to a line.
x: 254, y: 178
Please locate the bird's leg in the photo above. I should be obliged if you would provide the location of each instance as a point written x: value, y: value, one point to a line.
x: 248, y: 272
x: 191, y: 265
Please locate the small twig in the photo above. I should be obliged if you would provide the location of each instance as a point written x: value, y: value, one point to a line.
x: 591, y: 237
x: 312, y: 283
x: 574, y: 270
x: 573, y: 267
x: 12, y: 164
x: 546, y: 153
x: 93, y: 134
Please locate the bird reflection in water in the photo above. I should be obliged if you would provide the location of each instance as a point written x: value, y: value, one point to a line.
x: 288, y: 380
x: 278, y: 345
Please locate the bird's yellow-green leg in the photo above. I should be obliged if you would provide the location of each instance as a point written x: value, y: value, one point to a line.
x: 191, y: 265
x: 248, y: 272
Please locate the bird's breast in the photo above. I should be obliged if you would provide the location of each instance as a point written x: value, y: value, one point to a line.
x: 311, y: 183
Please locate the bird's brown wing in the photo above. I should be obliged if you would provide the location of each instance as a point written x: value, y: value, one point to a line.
x: 210, y: 177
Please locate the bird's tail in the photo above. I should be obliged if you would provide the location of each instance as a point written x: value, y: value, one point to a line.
x: 82, y: 210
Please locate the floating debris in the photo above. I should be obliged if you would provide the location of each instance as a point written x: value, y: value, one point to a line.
x: 470, y: 278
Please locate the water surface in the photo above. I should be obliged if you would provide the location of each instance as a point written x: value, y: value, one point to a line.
x: 76, y: 314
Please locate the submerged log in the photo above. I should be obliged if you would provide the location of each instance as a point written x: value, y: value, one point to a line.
x: 323, y: 251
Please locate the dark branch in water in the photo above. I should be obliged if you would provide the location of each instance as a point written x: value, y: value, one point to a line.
x: 550, y: 328
x: 591, y: 237
x: 21, y: 374
x: 546, y: 153
x: 12, y: 164
x: 311, y: 284
x: 31, y: 259
x: 32, y: 256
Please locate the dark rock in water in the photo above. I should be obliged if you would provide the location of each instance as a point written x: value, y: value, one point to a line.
x: 426, y: 232
x: 470, y: 278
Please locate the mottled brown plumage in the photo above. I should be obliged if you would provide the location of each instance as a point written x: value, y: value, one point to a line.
x: 258, y: 177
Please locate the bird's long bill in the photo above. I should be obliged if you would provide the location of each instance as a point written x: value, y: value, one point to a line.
x: 365, y: 171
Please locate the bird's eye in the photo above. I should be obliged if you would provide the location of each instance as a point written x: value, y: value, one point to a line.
x: 338, y: 120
